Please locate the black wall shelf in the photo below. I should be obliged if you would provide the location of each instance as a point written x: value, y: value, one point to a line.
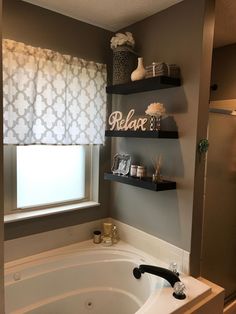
x: 145, y: 183
x: 152, y: 83
x: 143, y: 134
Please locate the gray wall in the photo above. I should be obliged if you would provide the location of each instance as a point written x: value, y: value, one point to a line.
x: 39, y: 27
x: 175, y: 35
x: 223, y: 72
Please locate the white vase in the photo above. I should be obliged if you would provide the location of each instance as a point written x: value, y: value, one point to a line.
x: 140, y: 72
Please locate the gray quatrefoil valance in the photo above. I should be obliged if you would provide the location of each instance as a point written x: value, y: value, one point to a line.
x: 50, y: 98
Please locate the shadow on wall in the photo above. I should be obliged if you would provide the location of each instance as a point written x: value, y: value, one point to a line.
x: 160, y: 214
x: 155, y: 205
x: 172, y: 166
x: 174, y: 100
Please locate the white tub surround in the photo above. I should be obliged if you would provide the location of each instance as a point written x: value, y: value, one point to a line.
x: 41, y: 242
x: 143, y: 241
x: 212, y: 304
x: 85, y: 275
x: 154, y: 246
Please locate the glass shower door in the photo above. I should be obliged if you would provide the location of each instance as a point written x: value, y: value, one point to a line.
x: 219, y: 229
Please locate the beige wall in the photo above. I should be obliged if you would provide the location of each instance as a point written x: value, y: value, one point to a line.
x: 175, y: 36
x: 218, y: 261
x: 223, y: 72
x: 39, y: 27
x: 203, y: 108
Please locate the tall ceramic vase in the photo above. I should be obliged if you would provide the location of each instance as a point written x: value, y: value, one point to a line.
x: 140, y: 72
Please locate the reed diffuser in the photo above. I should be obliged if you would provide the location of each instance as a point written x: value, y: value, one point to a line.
x: 156, y: 177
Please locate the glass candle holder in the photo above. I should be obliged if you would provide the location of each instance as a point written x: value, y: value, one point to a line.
x: 152, y: 123
x: 158, y: 123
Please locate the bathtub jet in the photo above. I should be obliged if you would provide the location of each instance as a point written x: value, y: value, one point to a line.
x: 165, y: 273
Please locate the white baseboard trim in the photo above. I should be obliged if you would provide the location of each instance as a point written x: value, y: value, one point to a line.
x: 37, y: 243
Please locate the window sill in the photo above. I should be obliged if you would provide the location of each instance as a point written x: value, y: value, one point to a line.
x: 18, y: 216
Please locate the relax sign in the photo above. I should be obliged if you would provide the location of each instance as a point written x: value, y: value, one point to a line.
x: 117, y: 122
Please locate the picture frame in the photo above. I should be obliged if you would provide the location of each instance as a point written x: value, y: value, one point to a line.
x: 121, y: 164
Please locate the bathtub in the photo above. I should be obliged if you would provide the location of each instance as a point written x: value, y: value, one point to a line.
x: 89, y: 278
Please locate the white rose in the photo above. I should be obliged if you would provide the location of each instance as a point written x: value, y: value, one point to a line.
x: 122, y: 39
x: 155, y: 109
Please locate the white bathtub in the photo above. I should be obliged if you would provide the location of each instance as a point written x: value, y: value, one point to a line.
x: 91, y: 279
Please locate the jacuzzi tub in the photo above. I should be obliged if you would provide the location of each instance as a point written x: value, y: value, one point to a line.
x: 91, y: 279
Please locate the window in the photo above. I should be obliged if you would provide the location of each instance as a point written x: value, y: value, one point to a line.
x: 44, y: 176
x: 49, y: 174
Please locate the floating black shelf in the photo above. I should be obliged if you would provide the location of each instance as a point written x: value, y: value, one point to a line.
x: 143, y: 134
x: 152, y: 83
x: 145, y: 183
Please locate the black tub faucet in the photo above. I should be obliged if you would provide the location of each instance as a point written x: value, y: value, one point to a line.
x: 165, y: 273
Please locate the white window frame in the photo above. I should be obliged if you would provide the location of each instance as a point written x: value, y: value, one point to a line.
x: 12, y: 213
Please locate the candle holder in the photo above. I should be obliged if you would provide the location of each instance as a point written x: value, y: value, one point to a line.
x: 155, y: 111
x: 158, y: 123
x: 152, y: 123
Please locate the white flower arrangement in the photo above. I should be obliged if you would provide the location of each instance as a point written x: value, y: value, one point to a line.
x: 122, y: 39
x: 155, y: 109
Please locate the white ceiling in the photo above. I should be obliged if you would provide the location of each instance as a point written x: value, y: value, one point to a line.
x: 116, y: 14
x: 109, y: 14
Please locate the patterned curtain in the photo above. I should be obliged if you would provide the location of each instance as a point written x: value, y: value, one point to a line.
x: 50, y: 98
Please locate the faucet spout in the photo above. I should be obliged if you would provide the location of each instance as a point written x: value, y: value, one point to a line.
x: 167, y: 274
